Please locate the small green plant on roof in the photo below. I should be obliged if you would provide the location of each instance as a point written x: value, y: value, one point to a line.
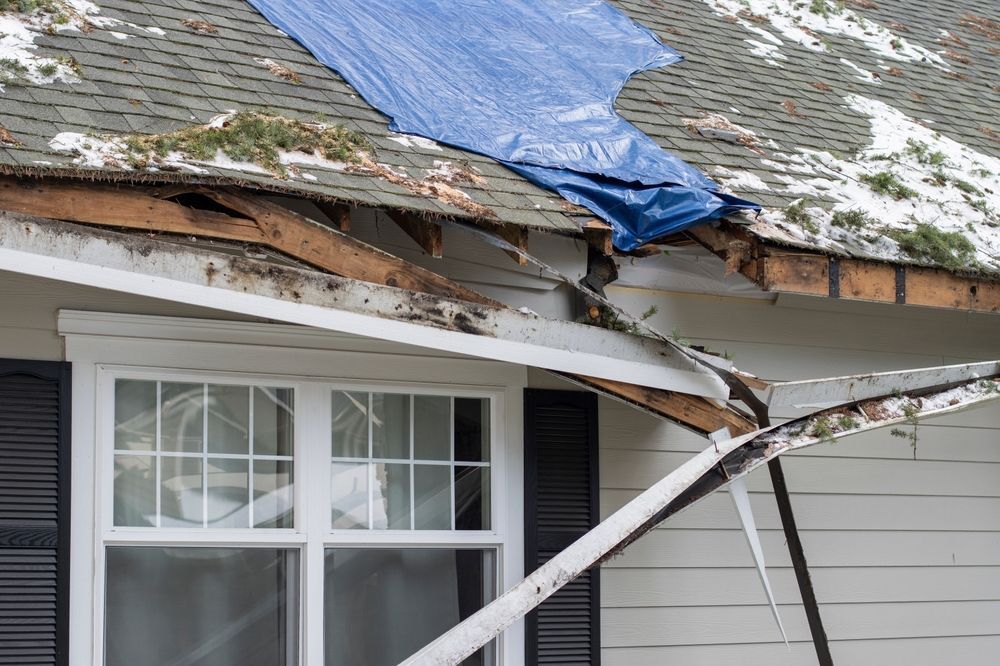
x: 11, y: 70
x: 949, y: 249
x: 820, y: 7
x: 854, y: 219
x: 966, y: 186
x: 28, y: 6
x: 886, y: 182
x: 252, y: 136
x: 796, y: 214
x: 676, y: 336
x: 924, y: 154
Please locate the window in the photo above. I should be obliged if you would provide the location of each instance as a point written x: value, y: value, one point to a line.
x: 245, y: 518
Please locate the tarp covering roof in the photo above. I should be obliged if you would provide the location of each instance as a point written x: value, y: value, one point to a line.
x: 530, y: 84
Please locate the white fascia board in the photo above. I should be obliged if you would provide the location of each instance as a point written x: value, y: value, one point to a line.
x: 837, y: 390
x: 144, y: 267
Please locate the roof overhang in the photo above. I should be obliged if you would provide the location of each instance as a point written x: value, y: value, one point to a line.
x: 781, y: 269
x: 196, y: 276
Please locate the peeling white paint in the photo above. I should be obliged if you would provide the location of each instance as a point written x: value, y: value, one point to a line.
x: 804, y: 22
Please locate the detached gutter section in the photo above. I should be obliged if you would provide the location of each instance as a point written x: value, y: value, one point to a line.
x: 711, y: 469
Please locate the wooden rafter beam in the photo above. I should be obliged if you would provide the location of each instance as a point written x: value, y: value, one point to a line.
x: 514, y: 234
x: 693, y: 412
x: 424, y: 233
x: 598, y: 235
x: 338, y: 213
x: 265, y: 223
x: 792, y: 271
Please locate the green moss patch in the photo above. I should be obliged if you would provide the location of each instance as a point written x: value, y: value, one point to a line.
x: 251, y: 136
x: 886, y: 182
x: 949, y: 249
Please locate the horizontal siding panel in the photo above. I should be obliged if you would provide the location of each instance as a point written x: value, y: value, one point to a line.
x: 641, y: 469
x: 834, y: 512
x: 640, y: 588
x: 945, y: 651
x: 728, y: 548
x: 753, y: 624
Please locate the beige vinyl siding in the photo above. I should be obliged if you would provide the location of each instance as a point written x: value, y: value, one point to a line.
x: 904, y: 553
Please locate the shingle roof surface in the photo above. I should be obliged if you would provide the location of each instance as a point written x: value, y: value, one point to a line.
x: 150, y: 83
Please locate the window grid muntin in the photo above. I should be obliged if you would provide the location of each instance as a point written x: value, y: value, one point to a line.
x: 158, y: 454
x: 370, y: 462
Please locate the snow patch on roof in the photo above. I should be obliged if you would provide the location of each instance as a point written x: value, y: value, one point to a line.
x: 910, y: 179
x: 19, y: 60
x: 804, y: 22
x: 412, y: 141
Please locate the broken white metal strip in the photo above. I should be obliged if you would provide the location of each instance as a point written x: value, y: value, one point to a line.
x: 137, y: 265
x: 740, y: 495
x: 640, y: 514
x: 837, y: 390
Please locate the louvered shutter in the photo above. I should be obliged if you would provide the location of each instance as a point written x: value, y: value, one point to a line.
x: 34, y: 516
x: 561, y: 504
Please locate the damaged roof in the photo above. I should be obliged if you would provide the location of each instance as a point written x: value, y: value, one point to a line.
x: 881, y: 111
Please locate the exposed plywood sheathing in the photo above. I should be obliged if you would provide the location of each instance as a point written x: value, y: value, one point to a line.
x: 785, y: 270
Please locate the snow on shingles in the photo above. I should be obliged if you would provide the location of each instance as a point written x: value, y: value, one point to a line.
x: 952, y: 188
x: 804, y: 22
x: 19, y: 59
x: 413, y: 141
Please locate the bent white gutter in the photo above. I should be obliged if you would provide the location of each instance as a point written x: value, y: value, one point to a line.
x: 138, y: 265
x: 644, y: 512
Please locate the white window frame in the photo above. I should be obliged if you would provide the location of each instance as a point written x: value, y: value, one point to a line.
x: 104, y: 347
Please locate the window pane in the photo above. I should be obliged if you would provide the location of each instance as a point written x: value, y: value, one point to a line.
x: 272, y: 492
x: 431, y: 427
x: 382, y: 605
x: 135, y: 415
x: 182, y: 421
x: 228, y: 492
x: 135, y: 491
x: 391, y: 504
x: 350, y: 424
x: 349, y: 482
x: 472, y: 498
x: 391, y: 426
x: 273, y: 412
x: 180, y: 492
x: 203, y: 606
x: 228, y: 419
x: 472, y: 429
x: 432, y: 497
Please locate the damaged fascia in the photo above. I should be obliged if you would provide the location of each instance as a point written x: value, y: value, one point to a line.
x: 142, y: 266
x: 711, y: 469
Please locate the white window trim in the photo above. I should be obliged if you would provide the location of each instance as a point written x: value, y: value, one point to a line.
x: 102, y: 346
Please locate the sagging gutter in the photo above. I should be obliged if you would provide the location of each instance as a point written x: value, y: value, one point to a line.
x: 146, y: 267
x: 709, y: 470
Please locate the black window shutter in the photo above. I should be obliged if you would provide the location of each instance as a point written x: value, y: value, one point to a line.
x: 561, y: 505
x: 34, y: 512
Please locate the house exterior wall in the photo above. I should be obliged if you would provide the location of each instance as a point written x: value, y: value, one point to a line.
x: 904, y: 553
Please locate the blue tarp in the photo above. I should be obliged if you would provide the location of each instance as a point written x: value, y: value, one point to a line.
x: 530, y: 83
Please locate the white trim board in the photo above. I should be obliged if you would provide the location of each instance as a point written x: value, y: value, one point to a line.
x: 107, y: 260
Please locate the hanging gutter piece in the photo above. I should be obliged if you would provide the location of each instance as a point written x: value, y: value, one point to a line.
x: 741, y: 455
